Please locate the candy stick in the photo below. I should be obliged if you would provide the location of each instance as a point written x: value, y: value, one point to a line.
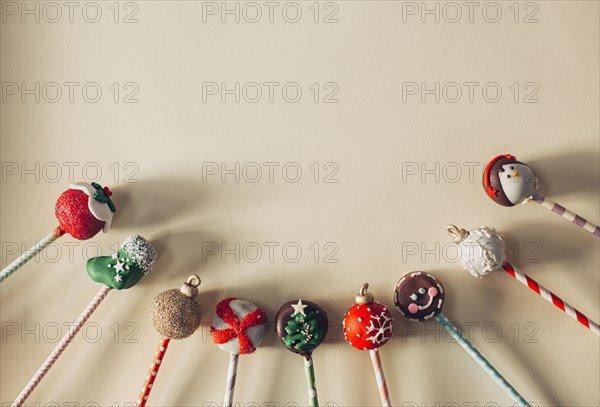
x: 483, y: 250
x: 176, y: 315
x: 60, y: 347
x: 82, y: 211
x: 238, y: 327
x: 481, y: 361
x: 311, y: 384
x: 158, y: 358
x: 381, y: 384
x: 551, y: 297
x: 302, y: 327
x: 31, y: 253
x: 565, y: 213
x: 231, y: 375
x: 131, y: 262
x: 419, y: 296
x: 509, y: 182
x: 367, y: 326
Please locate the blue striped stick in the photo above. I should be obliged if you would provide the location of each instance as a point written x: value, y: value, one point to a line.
x: 481, y: 361
x: 231, y: 375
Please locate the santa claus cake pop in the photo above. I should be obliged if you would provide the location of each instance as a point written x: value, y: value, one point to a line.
x: 301, y: 327
x: 509, y: 182
x: 82, y: 211
x: 238, y: 327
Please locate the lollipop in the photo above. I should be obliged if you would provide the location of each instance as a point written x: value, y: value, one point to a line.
x: 122, y: 270
x: 419, y: 296
x: 509, y: 182
x: 82, y: 211
x: 301, y: 327
x: 238, y: 327
x: 367, y: 326
x: 175, y: 315
x: 483, y: 251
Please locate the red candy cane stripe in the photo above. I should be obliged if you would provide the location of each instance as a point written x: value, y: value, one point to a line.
x: 238, y: 329
x: 551, y: 297
x: 158, y: 358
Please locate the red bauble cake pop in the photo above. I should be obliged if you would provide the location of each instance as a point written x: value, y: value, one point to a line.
x: 367, y: 326
x: 368, y: 323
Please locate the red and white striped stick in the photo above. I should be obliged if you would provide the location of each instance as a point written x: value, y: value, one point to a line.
x: 381, y: 383
x: 551, y: 297
x: 158, y: 358
x: 60, y: 348
x: 565, y: 213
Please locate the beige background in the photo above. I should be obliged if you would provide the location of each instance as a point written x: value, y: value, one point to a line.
x: 377, y: 215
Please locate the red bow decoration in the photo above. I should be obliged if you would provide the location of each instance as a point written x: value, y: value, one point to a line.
x: 238, y: 329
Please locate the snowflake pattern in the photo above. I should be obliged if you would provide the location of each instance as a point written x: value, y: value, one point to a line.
x: 380, y: 328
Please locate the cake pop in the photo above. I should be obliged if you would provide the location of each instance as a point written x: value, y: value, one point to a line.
x: 238, y: 327
x: 483, y: 250
x: 419, y: 296
x: 139, y: 256
x: 509, y: 182
x: 301, y: 327
x: 82, y: 211
x: 175, y: 314
x: 367, y: 326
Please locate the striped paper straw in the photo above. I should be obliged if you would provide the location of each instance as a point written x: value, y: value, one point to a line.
x: 481, y: 361
x: 381, y: 384
x: 231, y: 376
x: 30, y: 254
x: 310, y: 381
x: 550, y: 297
x: 156, y: 363
x: 61, y: 346
x: 565, y: 213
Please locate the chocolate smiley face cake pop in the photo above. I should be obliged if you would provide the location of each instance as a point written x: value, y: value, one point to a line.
x: 419, y: 296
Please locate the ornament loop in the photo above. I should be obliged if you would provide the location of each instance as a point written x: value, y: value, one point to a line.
x: 189, y: 288
x: 194, y: 280
x: 363, y: 290
x: 364, y: 297
x: 457, y: 234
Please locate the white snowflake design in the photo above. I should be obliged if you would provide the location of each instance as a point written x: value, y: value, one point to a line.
x: 380, y: 325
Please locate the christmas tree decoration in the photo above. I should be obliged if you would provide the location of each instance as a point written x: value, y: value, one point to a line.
x: 301, y: 327
x: 175, y: 314
x: 82, y: 211
x: 367, y: 326
x: 509, y: 182
x: 238, y: 327
x: 144, y: 259
x: 483, y: 250
x: 419, y: 297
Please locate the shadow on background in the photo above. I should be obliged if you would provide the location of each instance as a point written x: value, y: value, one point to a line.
x: 154, y: 201
x: 570, y: 172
